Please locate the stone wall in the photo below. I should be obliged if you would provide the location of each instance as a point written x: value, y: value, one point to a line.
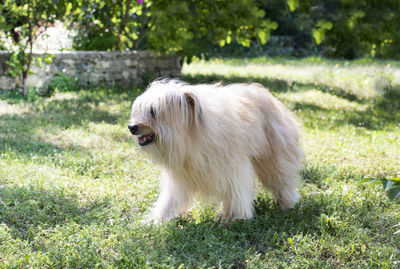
x: 92, y: 68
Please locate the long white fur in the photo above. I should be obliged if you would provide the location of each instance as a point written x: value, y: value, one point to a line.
x: 213, y: 140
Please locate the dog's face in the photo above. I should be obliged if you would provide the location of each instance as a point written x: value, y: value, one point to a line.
x: 162, y: 118
x: 143, y: 124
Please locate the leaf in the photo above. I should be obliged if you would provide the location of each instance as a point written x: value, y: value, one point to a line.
x: 293, y: 4
x: 263, y: 36
x: 318, y: 36
x: 324, y: 24
x: 394, y: 193
x: 371, y: 180
x: 228, y: 39
x: 391, y: 186
x: 290, y: 242
x: 319, y: 31
x: 387, y: 184
x: 273, y: 25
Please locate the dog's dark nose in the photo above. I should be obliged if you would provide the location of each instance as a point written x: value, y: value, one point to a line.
x: 133, y: 128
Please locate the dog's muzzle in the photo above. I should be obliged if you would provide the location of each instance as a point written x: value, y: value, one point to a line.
x: 133, y: 128
x: 143, y: 139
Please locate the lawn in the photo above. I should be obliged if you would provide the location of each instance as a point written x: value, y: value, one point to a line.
x: 74, y: 190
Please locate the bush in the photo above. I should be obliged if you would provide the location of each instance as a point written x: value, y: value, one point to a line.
x: 61, y: 83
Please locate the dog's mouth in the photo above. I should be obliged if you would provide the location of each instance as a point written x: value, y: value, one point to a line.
x: 146, y: 139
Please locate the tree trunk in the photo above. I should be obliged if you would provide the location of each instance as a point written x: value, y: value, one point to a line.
x: 25, y: 72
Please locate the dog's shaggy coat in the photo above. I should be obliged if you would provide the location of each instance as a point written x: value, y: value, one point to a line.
x: 212, y: 140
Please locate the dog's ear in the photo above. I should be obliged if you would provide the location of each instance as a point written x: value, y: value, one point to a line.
x: 194, y: 107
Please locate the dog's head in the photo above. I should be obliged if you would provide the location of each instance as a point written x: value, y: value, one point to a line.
x: 165, y: 116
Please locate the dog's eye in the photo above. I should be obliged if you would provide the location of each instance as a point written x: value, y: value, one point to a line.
x: 152, y: 112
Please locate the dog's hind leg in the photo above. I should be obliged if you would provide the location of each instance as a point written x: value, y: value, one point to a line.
x: 174, y: 199
x: 280, y: 177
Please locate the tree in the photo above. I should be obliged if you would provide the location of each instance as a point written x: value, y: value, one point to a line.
x: 339, y: 28
x: 184, y: 27
x: 23, y: 21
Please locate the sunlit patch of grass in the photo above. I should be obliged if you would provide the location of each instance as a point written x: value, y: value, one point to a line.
x: 95, y: 136
x: 363, y: 81
x: 322, y: 100
x: 74, y: 190
x: 62, y: 96
x: 354, y: 153
x: 9, y: 109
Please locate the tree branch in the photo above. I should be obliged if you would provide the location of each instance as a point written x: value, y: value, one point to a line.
x: 124, y: 21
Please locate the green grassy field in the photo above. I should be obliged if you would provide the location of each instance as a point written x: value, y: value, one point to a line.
x: 73, y: 188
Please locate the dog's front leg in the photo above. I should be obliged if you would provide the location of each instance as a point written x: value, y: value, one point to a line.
x: 174, y: 199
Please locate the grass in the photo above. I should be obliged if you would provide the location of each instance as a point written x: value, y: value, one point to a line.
x: 74, y: 190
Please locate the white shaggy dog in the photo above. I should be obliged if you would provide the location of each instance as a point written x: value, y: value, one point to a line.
x: 212, y: 140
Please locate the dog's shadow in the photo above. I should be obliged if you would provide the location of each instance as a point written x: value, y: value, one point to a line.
x: 189, y: 240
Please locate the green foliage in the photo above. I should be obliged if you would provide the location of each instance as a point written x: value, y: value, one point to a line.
x: 356, y: 28
x: 292, y: 4
x: 354, y: 34
x: 319, y: 31
x: 33, y: 95
x: 183, y: 27
x: 390, y: 185
x: 22, y: 22
x: 62, y: 83
x: 344, y: 29
x: 100, y: 24
x: 14, y: 63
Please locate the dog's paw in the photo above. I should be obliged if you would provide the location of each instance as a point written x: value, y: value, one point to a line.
x: 154, y: 218
x: 148, y: 220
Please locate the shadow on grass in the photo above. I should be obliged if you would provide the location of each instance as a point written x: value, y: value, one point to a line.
x: 25, y: 208
x: 381, y: 113
x: 17, y: 135
x: 73, y: 112
x: 210, y: 242
x: 18, y: 132
x: 321, y: 219
x: 275, y: 85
